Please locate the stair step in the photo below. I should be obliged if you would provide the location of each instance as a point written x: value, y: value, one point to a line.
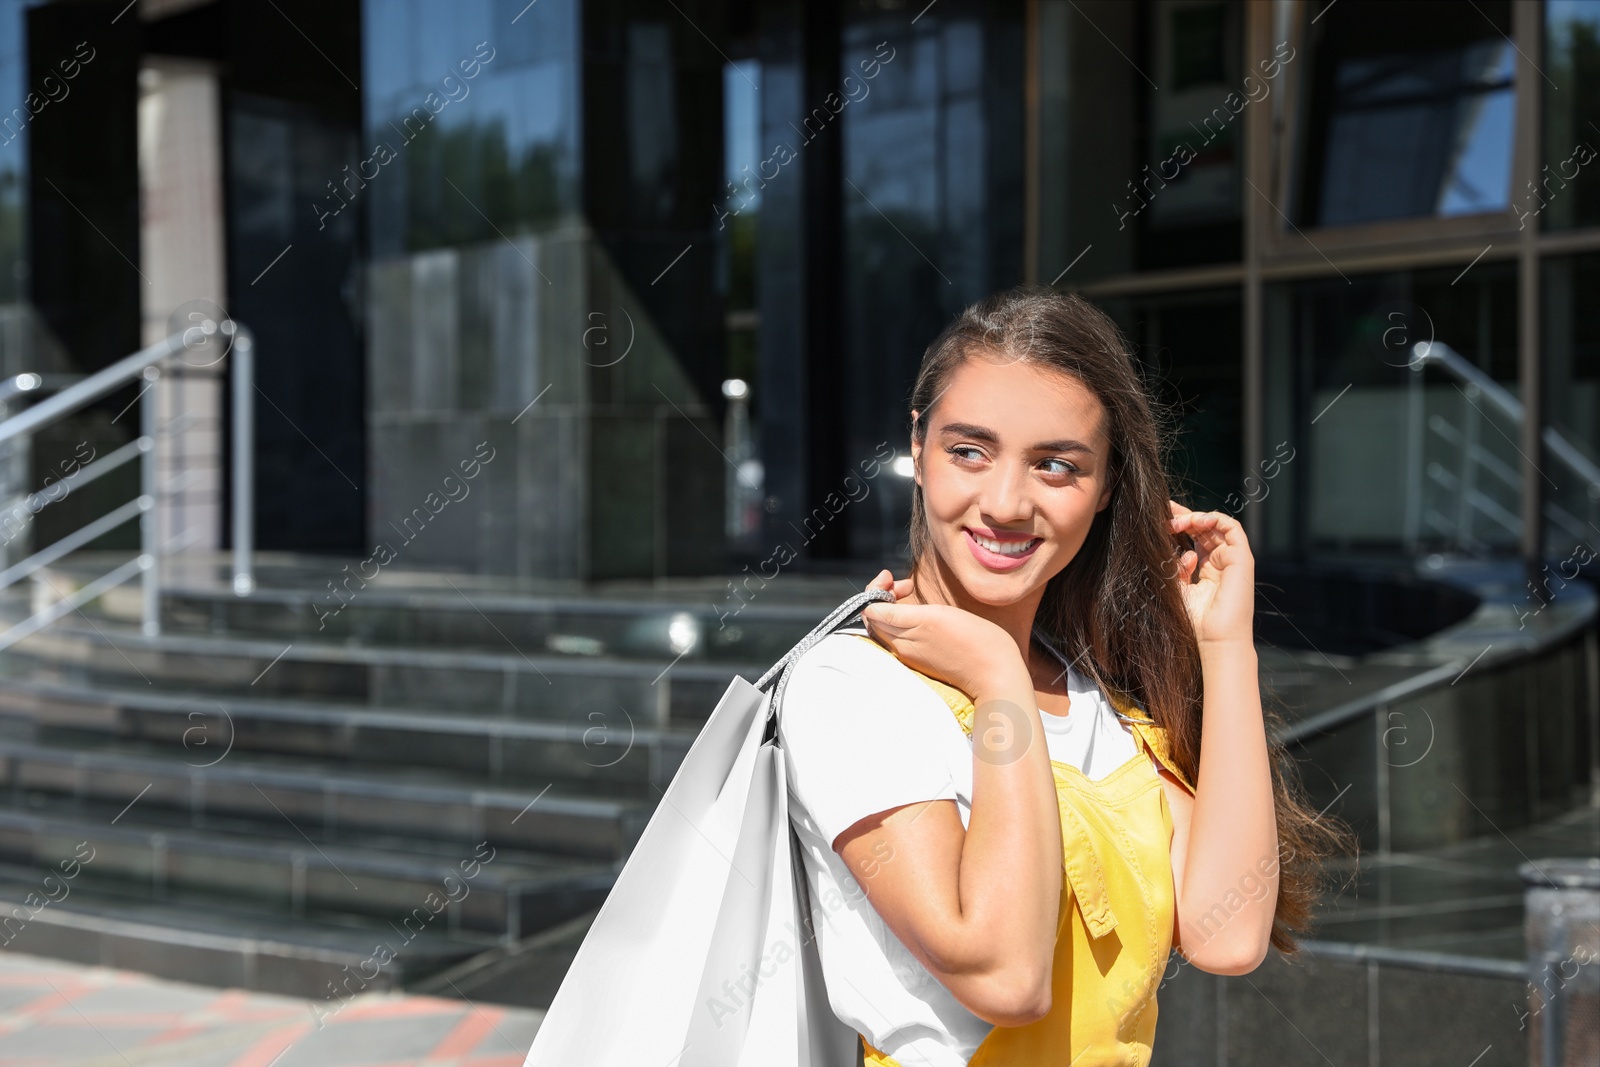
x: 487, y: 890
x: 725, y: 625
x: 539, y: 687
x: 599, y: 758
x: 215, y: 943
x: 344, y: 802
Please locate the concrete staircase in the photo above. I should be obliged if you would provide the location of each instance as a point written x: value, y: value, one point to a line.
x: 442, y: 770
x: 434, y: 785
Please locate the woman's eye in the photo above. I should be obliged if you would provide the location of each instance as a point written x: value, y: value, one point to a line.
x: 962, y: 452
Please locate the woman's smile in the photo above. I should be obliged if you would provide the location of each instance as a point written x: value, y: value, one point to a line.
x: 1004, y: 553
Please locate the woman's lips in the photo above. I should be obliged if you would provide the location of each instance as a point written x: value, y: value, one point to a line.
x: 994, y: 560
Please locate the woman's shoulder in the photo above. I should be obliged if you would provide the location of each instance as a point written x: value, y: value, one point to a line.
x: 849, y: 667
x: 848, y: 649
x: 864, y: 733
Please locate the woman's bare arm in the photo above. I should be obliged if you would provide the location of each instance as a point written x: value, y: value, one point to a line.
x: 1225, y: 867
x: 979, y: 907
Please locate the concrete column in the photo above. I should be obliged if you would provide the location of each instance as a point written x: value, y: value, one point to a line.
x: 184, y: 279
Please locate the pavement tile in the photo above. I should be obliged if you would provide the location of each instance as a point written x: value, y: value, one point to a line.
x: 69, y: 1015
x: 135, y: 998
x: 370, y: 1040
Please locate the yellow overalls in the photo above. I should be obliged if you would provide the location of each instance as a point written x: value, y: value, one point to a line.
x: 1117, y: 911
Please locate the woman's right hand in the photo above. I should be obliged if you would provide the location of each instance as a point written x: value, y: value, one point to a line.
x: 944, y: 641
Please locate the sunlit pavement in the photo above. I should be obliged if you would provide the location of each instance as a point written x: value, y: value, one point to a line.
x: 68, y: 1015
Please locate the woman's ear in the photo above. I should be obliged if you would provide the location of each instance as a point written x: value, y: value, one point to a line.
x: 1105, y: 494
x: 916, y: 451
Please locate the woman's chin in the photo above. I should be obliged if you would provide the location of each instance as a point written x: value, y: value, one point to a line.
x: 1004, y: 588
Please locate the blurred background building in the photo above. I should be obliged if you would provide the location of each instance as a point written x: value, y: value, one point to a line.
x: 583, y: 333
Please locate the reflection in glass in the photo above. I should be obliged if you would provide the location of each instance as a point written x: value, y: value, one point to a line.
x: 26, y: 341
x: 651, y: 115
x: 1395, y: 458
x: 1141, y: 114
x: 1570, y: 187
x: 1571, y: 371
x: 932, y: 198
x: 1187, y: 187
x: 1410, y: 115
x: 1190, y: 347
x: 472, y: 121
x: 745, y: 168
x: 741, y: 124
x: 13, y: 162
x: 738, y: 218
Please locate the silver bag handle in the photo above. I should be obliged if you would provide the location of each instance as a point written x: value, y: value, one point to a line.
x: 837, y: 617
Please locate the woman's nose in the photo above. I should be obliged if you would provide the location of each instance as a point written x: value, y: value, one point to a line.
x: 1006, y: 495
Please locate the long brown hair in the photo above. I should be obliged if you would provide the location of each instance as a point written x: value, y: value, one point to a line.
x: 1116, y: 610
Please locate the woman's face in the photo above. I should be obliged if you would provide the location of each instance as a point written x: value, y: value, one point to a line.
x: 1015, y: 453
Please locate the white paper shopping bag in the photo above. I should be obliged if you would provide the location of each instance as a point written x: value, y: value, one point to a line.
x: 703, y: 955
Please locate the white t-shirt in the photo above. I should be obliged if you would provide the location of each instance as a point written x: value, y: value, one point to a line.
x: 864, y: 734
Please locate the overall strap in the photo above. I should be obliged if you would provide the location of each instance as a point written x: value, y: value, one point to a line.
x: 1151, y: 736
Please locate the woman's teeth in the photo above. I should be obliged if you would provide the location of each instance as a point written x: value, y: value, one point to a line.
x: 1005, y: 548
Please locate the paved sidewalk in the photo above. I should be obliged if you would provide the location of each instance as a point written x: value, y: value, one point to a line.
x: 67, y: 1015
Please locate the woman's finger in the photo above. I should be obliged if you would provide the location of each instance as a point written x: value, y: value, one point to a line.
x: 900, y: 587
x: 1215, y: 532
x: 1206, y: 523
x: 881, y: 614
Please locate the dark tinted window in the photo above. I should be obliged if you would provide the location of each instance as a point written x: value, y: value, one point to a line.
x: 1411, y: 109
x: 1570, y: 190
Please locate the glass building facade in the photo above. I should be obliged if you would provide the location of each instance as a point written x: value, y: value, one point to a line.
x: 651, y: 283
x: 678, y: 263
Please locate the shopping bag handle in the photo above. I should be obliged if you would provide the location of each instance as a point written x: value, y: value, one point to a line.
x: 836, y: 618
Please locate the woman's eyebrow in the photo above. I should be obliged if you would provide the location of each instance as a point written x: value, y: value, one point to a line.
x: 982, y: 433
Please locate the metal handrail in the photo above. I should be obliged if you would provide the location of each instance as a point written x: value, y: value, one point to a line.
x: 28, y: 382
x: 1519, y: 655
x: 1450, y: 361
x: 1429, y: 678
x: 75, y: 540
x: 1457, y: 366
x: 144, y: 364
x: 93, y: 387
x: 38, y: 500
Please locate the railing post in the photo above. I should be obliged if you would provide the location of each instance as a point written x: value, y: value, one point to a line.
x: 1415, y: 451
x: 243, y: 355
x: 1470, y: 433
x: 149, y: 535
x: 15, y: 469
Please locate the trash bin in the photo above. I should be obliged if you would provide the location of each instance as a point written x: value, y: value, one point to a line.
x: 1562, y: 929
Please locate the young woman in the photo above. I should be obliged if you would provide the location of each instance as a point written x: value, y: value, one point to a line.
x: 1009, y: 812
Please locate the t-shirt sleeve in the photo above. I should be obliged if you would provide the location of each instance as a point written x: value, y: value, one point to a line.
x: 862, y: 734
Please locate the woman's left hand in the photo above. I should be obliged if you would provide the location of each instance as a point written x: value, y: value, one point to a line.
x: 1222, y: 601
